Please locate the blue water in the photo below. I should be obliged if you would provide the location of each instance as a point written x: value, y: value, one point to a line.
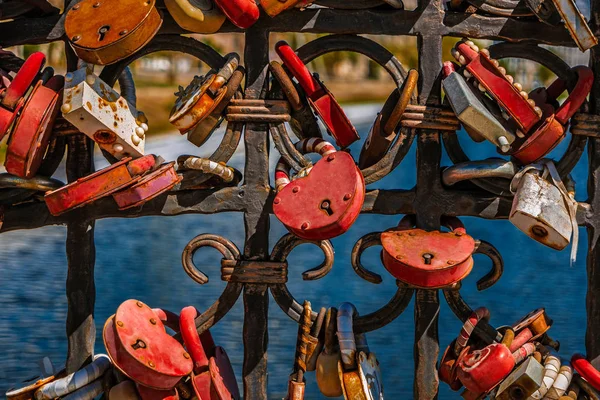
x: 141, y: 259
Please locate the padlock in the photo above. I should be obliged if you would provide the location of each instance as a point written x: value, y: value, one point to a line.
x: 139, y: 347
x: 358, y: 367
x: 534, y: 325
x: 13, y: 96
x: 216, y: 115
x: 522, y: 382
x: 124, y: 391
x: 150, y: 186
x: 198, y: 16
x: 327, y: 376
x: 383, y: 132
x: 275, y: 7
x: 319, y: 97
x: 201, y: 96
x: 242, y: 13
x: 553, y: 128
x: 432, y: 259
x: 575, y: 23
x: 473, y: 113
x: 32, y: 129
x: 99, y: 184
x: 312, y: 208
x: 75, y: 381
x: 107, y: 31
x: 296, y: 381
x: 542, y: 208
x: 101, y: 113
x: 147, y: 393
x: 586, y: 370
x: 213, y: 376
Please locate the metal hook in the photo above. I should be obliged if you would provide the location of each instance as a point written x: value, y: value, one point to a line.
x: 365, y: 242
x: 224, y: 246
x: 490, y: 279
x: 289, y: 242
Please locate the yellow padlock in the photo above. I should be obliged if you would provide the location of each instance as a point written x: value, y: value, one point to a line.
x: 328, y: 379
x: 199, y: 16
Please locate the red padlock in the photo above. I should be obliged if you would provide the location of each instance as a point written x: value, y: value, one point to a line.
x: 150, y: 186
x: 553, y: 129
x: 33, y: 128
x: 425, y: 259
x: 138, y: 345
x: 243, y: 13
x: 326, y: 201
x: 213, y: 377
x: 586, y: 370
x: 13, y: 95
x: 481, y: 370
x: 99, y: 184
x: 320, y: 98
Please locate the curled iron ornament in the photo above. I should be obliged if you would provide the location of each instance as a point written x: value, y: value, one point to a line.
x: 565, y: 165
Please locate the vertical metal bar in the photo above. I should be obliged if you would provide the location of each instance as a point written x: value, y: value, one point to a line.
x: 427, y: 303
x: 593, y: 230
x: 256, y: 219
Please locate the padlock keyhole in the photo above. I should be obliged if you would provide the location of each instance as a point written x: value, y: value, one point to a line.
x: 102, y: 32
x: 427, y: 257
x: 139, y: 344
x: 326, y: 206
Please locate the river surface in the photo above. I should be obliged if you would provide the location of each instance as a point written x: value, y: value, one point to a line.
x: 141, y: 259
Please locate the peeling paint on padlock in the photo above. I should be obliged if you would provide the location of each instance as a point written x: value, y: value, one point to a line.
x: 104, y: 32
x: 198, y: 16
x: 104, y: 115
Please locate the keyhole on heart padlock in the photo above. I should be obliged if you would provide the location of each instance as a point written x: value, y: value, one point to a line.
x: 427, y: 257
x: 326, y: 206
x: 139, y: 344
x: 102, y: 32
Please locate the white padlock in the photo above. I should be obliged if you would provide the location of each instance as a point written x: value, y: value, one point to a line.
x: 103, y: 114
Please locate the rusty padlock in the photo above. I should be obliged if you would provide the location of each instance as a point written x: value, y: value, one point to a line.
x: 13, y: 96
x: 296, y: 381
x: 150, y: 186
x: 543, y: 208
x: 33, y: 127
x: 213, y: 376
x: 75, y: 381
x: 99, y: 184
x: 586, y: 370
x: 309, y: 206
x: 431, y: 259
x: 321, y: 100
x: 327, y: 376
x: 242, y: 13
x: 139, y: 347
x: 107, y: 31
x: 198, y: 16
x: 102, y: 114
x: 383, y: 132
x: 275, y: 7
x: 199, y: 98
x: 358, y: 367
x: 215, y: 115
x: 523, y: 382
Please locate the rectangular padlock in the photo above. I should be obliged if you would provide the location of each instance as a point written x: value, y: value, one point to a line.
x: 104, y: 115
x: 471, y: 111
x: 522, y: 382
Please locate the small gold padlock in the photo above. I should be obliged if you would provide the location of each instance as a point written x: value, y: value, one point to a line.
x: 199, y: 16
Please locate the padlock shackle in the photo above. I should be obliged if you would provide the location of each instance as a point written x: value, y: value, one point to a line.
x: 409, y: 221
x: 24, y: 79
x: 297, y: 68
x: 192, y: 341
x: 447, y: 68
x: 489, y: 279
x: 168, y: 318
x: 345, y: 334
x: 478, y: 315
x: 586, y: 370
x: 577, y: 96
x: 304, y: 146
x: 490, y: 168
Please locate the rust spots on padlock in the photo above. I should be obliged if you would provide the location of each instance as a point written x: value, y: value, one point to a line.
x: 105, y: 137
x: 153, y: 321
x: 120, y: 324
x: 539, y: 231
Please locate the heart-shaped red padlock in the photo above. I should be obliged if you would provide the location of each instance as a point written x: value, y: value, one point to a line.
x: 138, y: 345
x: 428, y: 259
x: 324, y: 203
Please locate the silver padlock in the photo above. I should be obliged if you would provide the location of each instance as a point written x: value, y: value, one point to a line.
x: 522, y: 382
x: 470, y: 109
x: 104, y: 115
x: 543, y: 208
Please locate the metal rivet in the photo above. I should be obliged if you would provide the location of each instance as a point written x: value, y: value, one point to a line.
x: 153, y: 321
x: 398, y: 257
x: 305, y: 226
x: 186, y: 356
x: 75, y: 7
x: 139, y: 304
x: 331, y: 157
x: 151, y: 364
x: 96, y: 5
x: 458, y: 233
x: 76, y: 38
x: 412, y: 234
x: 296, y: 189
x: 123, y: 32
x: 120, y: 324
x: 450, y: 262
x: 347, y: 196
x: 277, y: 200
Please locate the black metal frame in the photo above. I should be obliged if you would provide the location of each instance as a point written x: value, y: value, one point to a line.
x: 429, y: 200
